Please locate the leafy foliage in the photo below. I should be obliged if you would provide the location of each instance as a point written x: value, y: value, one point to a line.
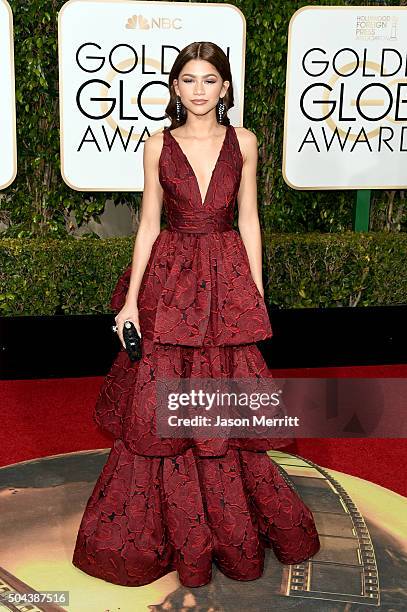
x: 77, y: 276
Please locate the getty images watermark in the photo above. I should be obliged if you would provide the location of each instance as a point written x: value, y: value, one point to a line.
x: 281, y: 407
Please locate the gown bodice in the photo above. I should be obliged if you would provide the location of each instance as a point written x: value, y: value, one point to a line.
x: 182, y: 199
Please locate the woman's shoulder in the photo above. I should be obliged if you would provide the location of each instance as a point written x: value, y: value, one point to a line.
x: 247, y: 141
x: 155, y: 140
x: 153, y: 146
x: 246, y: 135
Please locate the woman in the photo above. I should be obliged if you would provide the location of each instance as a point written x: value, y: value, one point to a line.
x: 194, y: 292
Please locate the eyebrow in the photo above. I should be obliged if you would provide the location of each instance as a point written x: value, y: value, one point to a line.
x: 204, y: 75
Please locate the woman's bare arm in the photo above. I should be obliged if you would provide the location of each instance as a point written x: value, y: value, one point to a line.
x: 150, y: 218
x: 248, y: 221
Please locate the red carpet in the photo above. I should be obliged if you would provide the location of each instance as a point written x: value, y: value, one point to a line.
x: 48, y: 417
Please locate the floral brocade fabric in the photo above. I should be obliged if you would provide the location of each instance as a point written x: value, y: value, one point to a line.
x: 165, y: 504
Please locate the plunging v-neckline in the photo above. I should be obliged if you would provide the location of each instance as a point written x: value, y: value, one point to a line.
x: 193, y: 171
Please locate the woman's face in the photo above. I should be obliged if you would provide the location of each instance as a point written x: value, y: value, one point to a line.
x: 199, y: 80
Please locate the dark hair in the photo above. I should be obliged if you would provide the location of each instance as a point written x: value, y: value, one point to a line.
x: 209, y: 52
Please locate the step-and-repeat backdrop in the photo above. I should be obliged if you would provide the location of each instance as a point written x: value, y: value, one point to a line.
x: 345, y: 105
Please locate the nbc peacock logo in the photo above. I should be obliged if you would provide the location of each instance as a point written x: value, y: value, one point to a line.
x: 139, y: 22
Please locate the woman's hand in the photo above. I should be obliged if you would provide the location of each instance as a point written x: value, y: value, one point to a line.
x: 129, y: 312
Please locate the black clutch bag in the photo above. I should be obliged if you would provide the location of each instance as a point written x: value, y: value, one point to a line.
x: 132, y: 341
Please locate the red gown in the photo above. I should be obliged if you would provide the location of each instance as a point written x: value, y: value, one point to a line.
x: 165, y: 504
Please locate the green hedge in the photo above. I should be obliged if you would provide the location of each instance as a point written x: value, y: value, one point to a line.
x: 77, y: 276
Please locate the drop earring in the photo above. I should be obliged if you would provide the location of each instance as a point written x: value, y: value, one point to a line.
x: 221, y: 110
x: 178, y: 103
